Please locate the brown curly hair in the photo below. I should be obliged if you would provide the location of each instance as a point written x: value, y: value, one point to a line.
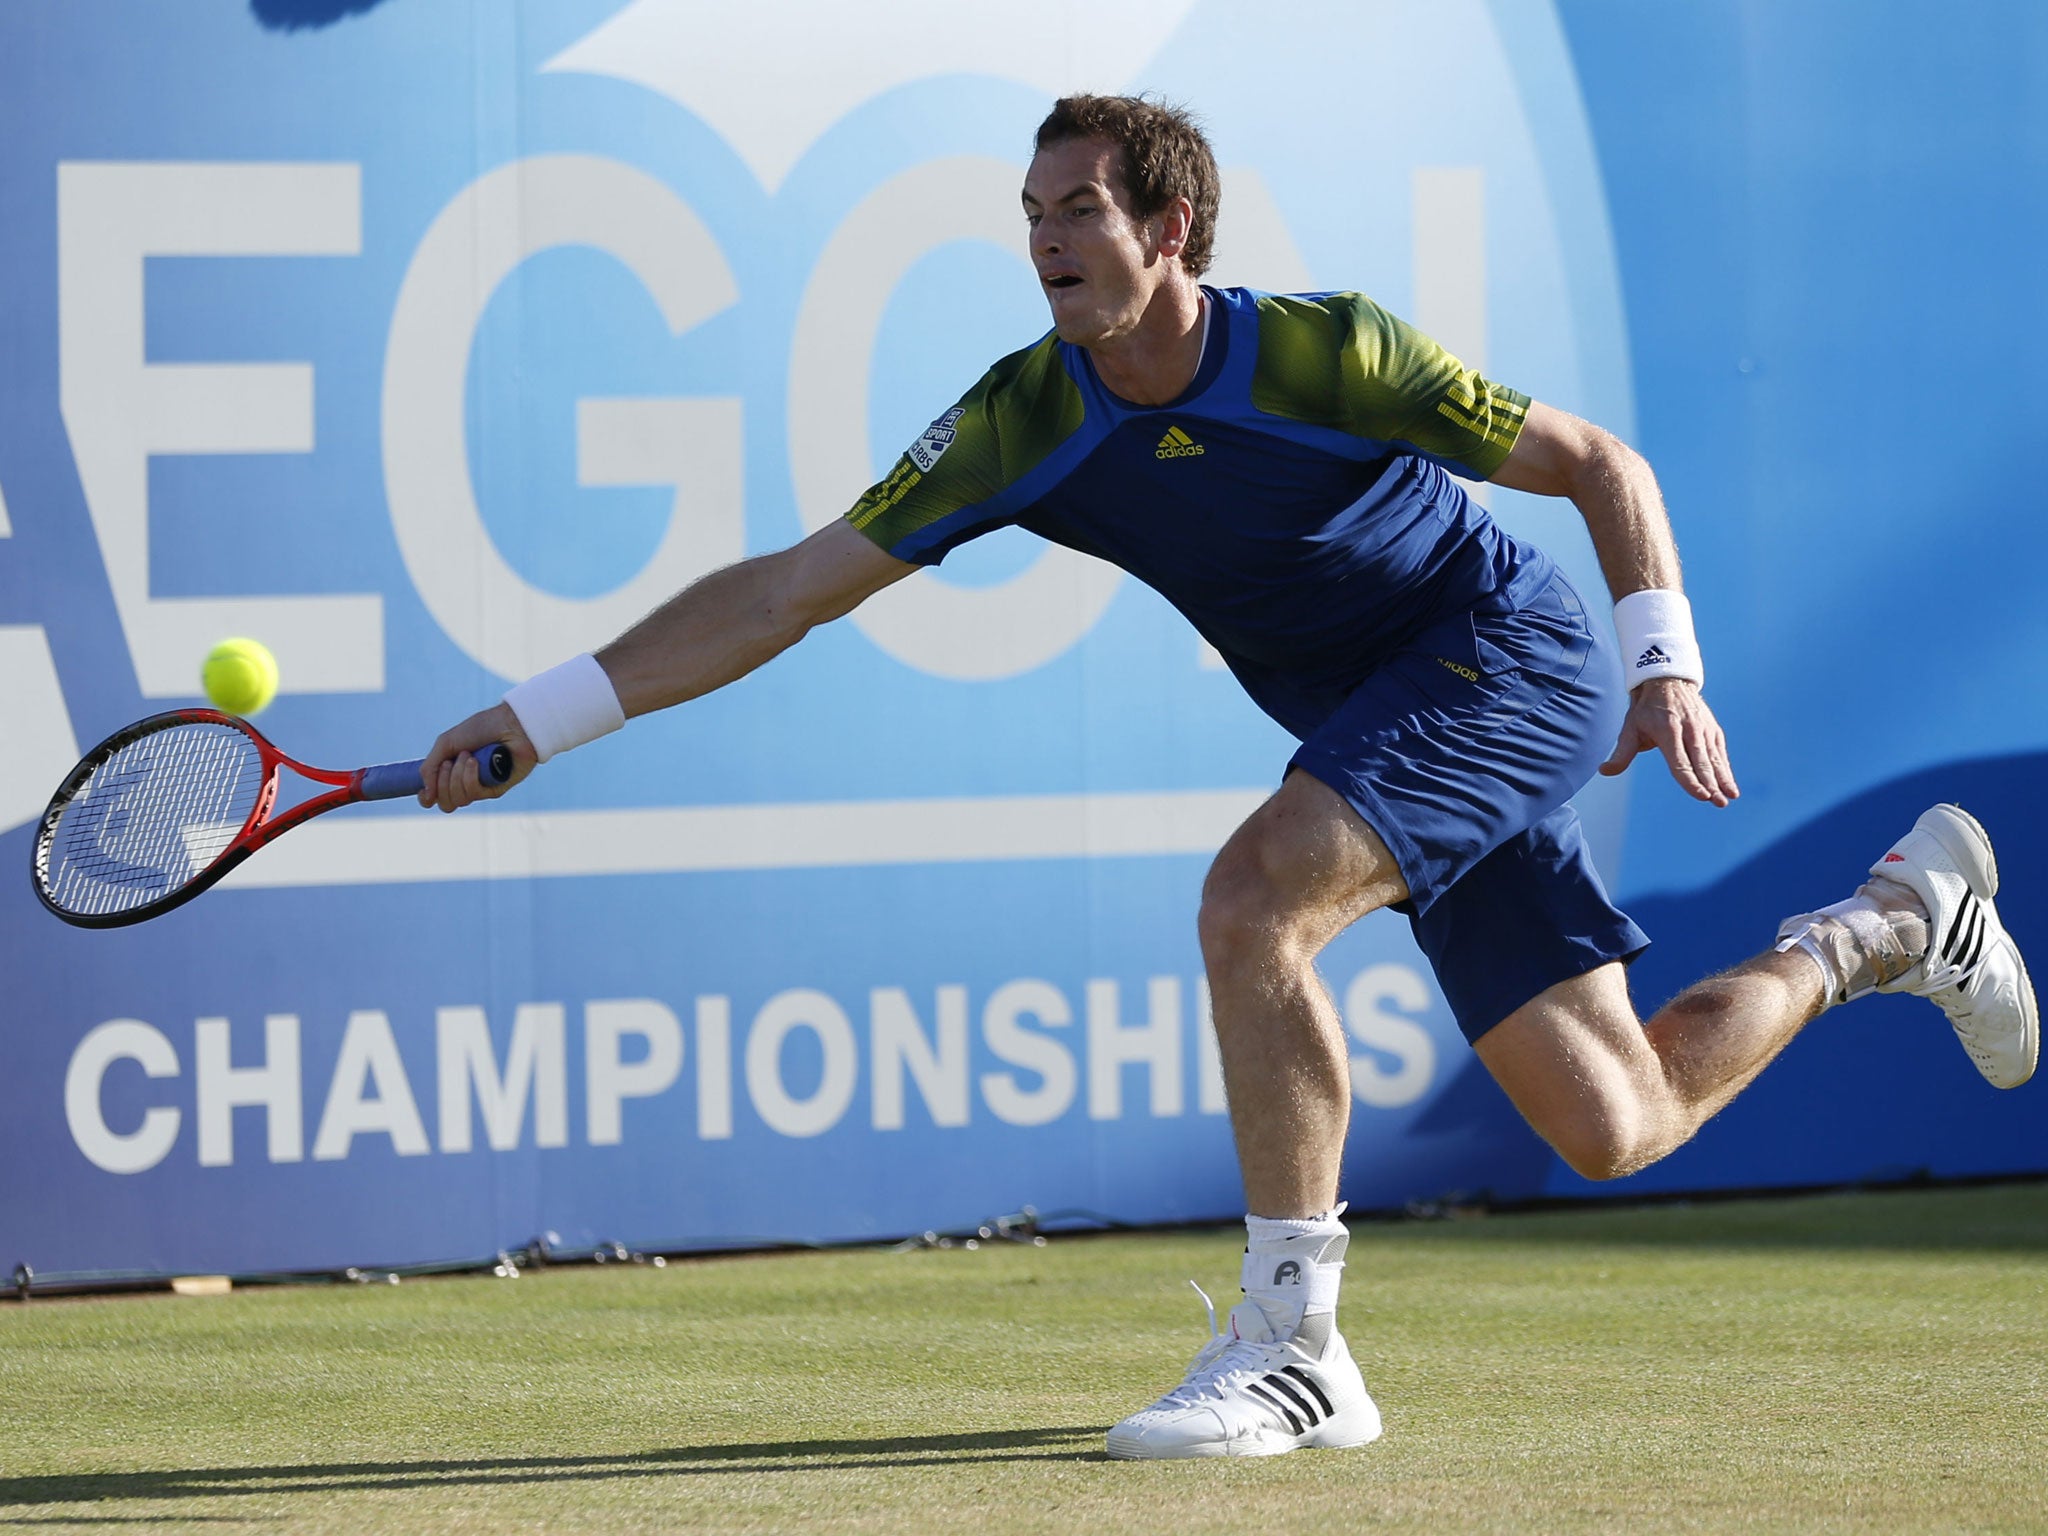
x: 1165, y: 156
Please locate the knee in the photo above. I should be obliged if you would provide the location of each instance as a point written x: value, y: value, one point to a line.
x: 1298, y: 872
x: 1246, y: 914
x: 1610, y: 1143
x: 1599, y: 1158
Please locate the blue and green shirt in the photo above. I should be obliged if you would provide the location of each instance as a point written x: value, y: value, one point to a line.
x: 1293, y: 503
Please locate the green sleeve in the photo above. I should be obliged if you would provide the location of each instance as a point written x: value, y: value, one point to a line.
x: 949, y: 484
x: 1341, y: 361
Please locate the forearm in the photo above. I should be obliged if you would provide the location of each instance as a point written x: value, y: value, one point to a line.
x: 1616, y: 493
x: 713, y: 632
x: 1559, y: 454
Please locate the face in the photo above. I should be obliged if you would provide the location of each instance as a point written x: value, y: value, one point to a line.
x: 1098, y: 266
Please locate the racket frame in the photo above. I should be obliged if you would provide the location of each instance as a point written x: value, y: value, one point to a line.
x: 343, y: 787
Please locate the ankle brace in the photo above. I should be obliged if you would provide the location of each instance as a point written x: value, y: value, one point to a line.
x: 1292, y: 1267
x: 1874, y: 937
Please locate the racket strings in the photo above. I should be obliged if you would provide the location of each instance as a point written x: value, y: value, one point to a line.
x: 152, y: 817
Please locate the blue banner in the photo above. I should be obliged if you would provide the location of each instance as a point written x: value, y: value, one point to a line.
x: 432, y: 343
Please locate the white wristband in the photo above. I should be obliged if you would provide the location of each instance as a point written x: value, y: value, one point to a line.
x: 566, y: 706
x: 1655, y: 630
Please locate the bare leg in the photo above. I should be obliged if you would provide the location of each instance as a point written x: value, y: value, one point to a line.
x: 1612, y: 1095
x: 1280, y: 1376
x: 1297, y: 873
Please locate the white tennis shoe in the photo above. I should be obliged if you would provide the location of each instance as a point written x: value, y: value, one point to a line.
x: 1972, y: 970
x: 1250, y: 1394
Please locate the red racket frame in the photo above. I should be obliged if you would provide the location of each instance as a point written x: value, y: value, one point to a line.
x: 345, y: 787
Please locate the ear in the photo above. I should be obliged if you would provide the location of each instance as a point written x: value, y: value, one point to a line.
x: 1176, y: 223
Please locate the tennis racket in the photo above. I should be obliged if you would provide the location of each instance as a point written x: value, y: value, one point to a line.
x: 163, y: 808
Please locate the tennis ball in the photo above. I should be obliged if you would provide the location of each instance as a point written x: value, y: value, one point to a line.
x: 240, y: 676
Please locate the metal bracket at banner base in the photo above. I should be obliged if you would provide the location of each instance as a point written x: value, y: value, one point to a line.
x: 1019, y: 1227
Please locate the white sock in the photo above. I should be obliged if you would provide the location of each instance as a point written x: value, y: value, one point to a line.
x: 1292, y: 1267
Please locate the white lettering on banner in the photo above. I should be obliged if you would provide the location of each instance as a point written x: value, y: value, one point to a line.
x: 714, y: 1068
x: 1154, y: 1045
x: 1372, y: 1026
x: 898, y: 1041
x: 133, y: 1151
x: 1002, y: 1027
x: 479, y: 239
x: 609, y: 1079
x: 273, y: 1087
x: 968, y: 633
x: 120, y: 409
x: 369, y: 1059
x: 536, y: 1067
x: 633, y: 1048
x: 801, y: 1008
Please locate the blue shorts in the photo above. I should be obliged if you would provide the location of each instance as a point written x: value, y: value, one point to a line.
x: 1462, y: 752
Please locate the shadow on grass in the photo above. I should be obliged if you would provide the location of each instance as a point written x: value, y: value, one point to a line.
x: 683, y: 1461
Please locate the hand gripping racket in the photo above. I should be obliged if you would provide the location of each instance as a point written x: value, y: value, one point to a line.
x: 163, y: 808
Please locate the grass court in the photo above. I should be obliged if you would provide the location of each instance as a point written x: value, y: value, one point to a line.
x: 1855, y: 1362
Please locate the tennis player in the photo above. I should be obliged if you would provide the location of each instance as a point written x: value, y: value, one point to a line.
x: 1284, y: 469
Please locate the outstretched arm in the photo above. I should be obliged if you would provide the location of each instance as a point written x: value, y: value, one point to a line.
x: 717, y: 630
x: 1615, y: 491
x: 711, y: 633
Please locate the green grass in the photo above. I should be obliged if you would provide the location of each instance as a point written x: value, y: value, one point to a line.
x: 1869, y: 1362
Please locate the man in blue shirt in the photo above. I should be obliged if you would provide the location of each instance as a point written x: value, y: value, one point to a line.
x: 1282, y: 469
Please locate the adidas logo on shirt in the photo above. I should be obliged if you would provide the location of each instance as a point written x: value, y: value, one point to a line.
x: 1655, y: 656
x: 1177, y: 445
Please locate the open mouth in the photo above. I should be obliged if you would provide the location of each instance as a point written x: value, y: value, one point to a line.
x: 1064, y: 280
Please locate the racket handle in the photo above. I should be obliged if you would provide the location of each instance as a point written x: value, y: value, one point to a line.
x: 395, y: 781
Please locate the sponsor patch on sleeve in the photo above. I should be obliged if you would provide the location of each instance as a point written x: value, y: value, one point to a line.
x: 937, y: 438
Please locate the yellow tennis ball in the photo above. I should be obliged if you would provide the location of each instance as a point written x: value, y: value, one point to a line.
x: 240, y: 676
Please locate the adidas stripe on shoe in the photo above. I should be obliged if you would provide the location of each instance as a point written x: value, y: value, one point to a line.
x: 1250, y: 1394
x: 1973, y: 971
